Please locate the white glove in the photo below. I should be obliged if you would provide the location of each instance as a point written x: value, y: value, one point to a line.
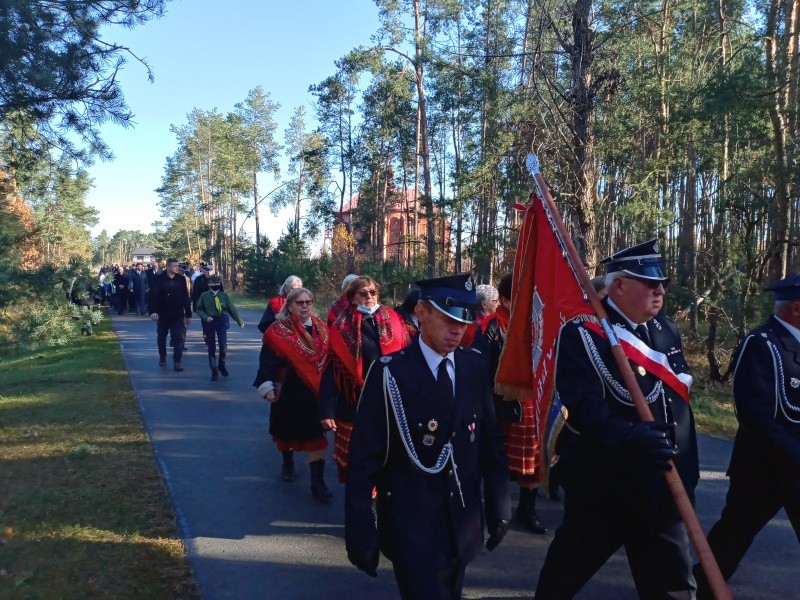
x: 264, y: 389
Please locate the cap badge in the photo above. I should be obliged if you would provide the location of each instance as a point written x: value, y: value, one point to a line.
x: 433, y: 425
x: 468, y: 284
x: 794, y: 382
x: 428, y: 439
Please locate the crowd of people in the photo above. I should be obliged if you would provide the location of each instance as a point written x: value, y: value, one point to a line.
x: 426, y: 450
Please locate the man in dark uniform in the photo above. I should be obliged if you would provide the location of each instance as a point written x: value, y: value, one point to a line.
x: 171, y: 308
x: 610, y: 461
x: 442, y: 443
x: 765, y: 464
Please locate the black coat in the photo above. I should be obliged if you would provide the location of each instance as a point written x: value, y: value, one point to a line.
x: 421, y: 513
x: 169, y: 297
x: 592, y: 445
x: 768, y: 437
x: 295, y: 415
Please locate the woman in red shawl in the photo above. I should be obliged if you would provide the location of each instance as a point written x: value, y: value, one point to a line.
x: 293, y: 368
x: 363, y: 331
x: 274, y: 305
x: 518, y: 419
x: 486, y: 303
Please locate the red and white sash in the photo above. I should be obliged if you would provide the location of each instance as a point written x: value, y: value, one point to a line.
x: 643, y: 355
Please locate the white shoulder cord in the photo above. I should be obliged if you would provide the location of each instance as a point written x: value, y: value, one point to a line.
x: 392, y: 393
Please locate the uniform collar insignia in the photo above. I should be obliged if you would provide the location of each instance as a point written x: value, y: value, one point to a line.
x: 794, y: 382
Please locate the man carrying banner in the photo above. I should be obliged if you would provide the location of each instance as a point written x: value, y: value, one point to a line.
x: 611, y: 461
x: 425, y: 435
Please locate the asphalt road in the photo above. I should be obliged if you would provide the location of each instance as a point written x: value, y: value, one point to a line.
x: 251, y: 536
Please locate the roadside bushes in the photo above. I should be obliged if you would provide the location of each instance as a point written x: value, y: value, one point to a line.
x: 35, y: 310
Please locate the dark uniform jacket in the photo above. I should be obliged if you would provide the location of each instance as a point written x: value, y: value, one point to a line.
x: 169, y: 297
x: 592, y: 445
x: 766, y: 390
x: 420, y: 513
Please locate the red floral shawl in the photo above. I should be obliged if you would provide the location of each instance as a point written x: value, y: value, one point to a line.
x: 501, y: 315
x: 337, y: 307
x: 308, y: 354
x: 345, y: 335
x: 277, y: 303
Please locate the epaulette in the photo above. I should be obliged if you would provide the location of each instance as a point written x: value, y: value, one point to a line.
x: 585, y: 319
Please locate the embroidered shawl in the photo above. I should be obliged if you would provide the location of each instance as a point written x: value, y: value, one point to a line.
x: 308, y: 354
x: 345, y: 334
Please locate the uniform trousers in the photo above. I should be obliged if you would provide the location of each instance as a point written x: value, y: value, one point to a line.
x: 443, y: 583
x: 595, y: 527
x: 753, y: 499
x: 211, y: 332
x: 174, y: 326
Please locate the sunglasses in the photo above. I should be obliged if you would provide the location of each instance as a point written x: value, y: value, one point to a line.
x: 303, y: 302
x: 365, y: 293
x: 651, y: 283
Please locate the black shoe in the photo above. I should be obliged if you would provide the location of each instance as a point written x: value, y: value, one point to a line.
x: 223, y: 369
x: 178, y: 366
x: 287, y: 468
x: 162, y: 362
x: 526, y: 511
x: 319, y: 490
x: 214, y: 374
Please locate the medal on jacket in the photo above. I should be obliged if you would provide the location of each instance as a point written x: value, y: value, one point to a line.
x: 428, y: 439
x: 471, y: 428
x: 794, y: 382
x: 641, y: 370
x: 433, y: 425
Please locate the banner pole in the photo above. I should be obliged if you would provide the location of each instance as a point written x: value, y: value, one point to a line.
x: 706, y: 557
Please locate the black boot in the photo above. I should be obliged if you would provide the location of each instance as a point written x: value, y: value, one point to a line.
x: 319, y: 490
x: 222, y: 368
x: 526, y: 511
x: 287, y: 468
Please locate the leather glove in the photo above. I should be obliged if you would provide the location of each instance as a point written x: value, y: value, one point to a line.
x: 366, y: 561
x: 655, y: 439
x: 497, y: 531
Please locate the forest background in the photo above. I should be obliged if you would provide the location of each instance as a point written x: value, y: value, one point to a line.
x: 671, y: 119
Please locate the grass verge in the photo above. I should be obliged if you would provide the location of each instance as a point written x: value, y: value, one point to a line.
x: 83, y: 510
x: 245, y: 301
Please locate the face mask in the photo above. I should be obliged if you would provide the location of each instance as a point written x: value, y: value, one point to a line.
x: 368, y: 310
x: 214, y: 288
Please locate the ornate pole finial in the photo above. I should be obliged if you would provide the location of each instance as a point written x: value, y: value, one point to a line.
x: 532, y: 162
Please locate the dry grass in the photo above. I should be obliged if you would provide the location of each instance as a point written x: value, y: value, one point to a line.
x: 83, y: 509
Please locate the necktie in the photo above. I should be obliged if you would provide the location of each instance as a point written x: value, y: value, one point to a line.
x: 641, y: 333
x: 445, y: 384
x: 217, y: 303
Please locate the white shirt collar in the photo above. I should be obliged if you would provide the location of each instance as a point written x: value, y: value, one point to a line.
x: 307, y: 322
x: 624, y: 316
x: 434, y: 359
x: 790, y: 328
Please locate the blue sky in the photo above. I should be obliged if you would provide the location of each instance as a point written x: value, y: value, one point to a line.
x: 208, y: 54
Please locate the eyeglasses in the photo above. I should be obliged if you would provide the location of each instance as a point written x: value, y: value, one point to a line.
x: 651, y: 283
x: 303, y: 302
x: 365, y: 293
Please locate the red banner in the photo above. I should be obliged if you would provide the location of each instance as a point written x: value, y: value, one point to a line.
x: 545, y: 295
